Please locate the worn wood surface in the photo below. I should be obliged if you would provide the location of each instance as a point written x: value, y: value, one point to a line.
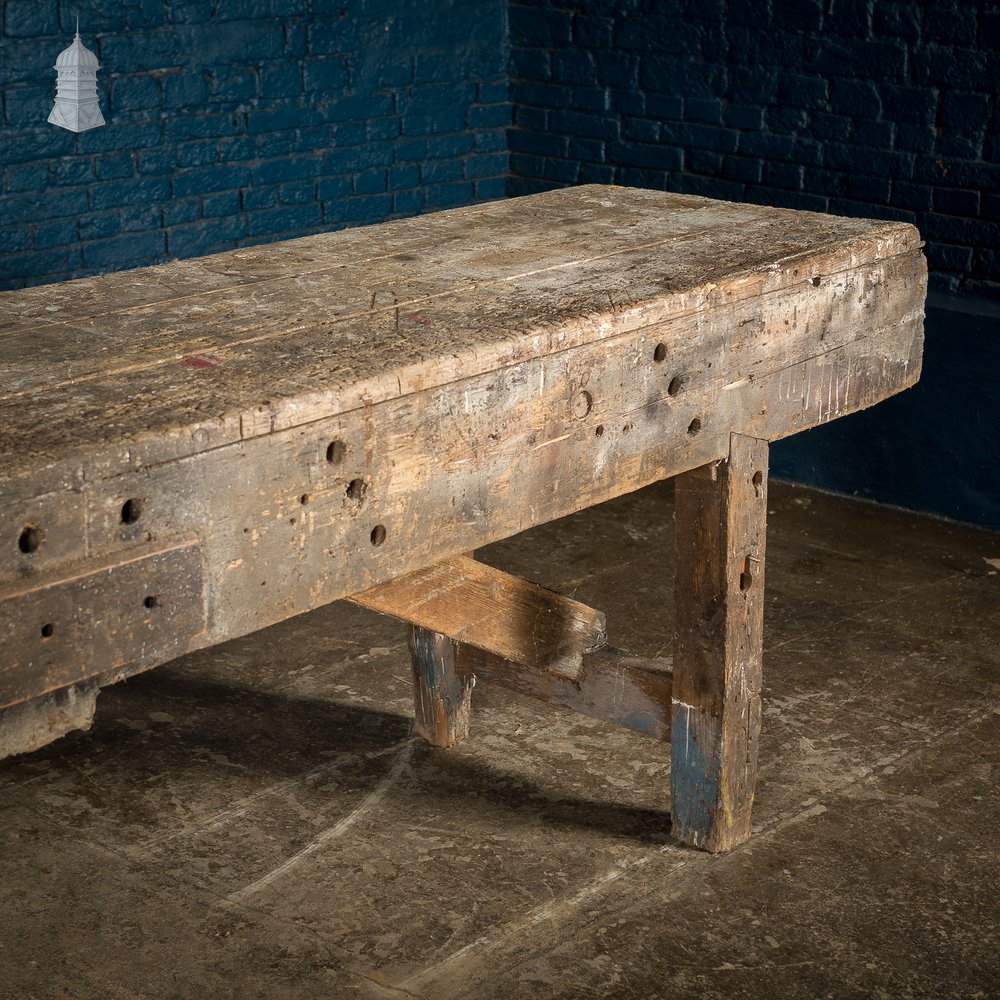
x: 327, y: 414
x: 480, y: 606
x: 613, y: 686
x: 721, y: 516
x: 442, y: 695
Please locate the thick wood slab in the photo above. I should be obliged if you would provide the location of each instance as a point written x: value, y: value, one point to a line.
x: 328, y: 414
x: 484, y: 607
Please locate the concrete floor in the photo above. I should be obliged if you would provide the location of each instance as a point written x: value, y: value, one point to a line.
x: 257, y: 820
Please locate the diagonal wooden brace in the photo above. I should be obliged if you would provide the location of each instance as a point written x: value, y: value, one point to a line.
x: 721, y: 515
x: 468, y: 621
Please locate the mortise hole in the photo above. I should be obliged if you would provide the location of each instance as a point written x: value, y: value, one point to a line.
x: 378, y: 534
x: 694, y: 426
x: 758, y: 478
x: 599, y: 430
x: 660, y: 352
x: 336, y: 452
x: 47, y: 629
x: 746, y: 578
x: 30, y: 539
x: 356, y: 489
x: 151, y: 601
x: 131, y: 511
x: 814, y: 281
x: 676, y: 384
x: 304, y: 499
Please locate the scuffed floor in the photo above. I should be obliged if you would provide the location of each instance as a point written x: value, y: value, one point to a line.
x: 258, y: 821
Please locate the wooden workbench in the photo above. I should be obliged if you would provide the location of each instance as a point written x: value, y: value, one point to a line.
x: 193, y: 451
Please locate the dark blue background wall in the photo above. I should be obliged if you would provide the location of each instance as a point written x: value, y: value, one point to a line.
x: 239, y: 121
x: 878, y: 108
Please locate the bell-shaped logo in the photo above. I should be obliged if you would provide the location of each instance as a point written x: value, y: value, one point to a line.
x: 76, y: 106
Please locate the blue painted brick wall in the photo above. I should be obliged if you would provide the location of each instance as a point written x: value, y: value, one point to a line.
x: 241, y: 121
x: 880, y: 108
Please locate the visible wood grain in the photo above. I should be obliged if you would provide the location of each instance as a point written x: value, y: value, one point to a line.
x: 721, y: 515
x: 133, y: 610
x: 613, y: 686
x: 480, y: 606
x: 442, y: 696
x: 328, y: 414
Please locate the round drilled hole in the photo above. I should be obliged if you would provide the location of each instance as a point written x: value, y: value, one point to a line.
x: 676, y: 384
x: 47, y: 630
x: 599, y: 430
x: 131, y: 511
x: 304, y: 499
x: 356, y: 489
x: 660, y: 352
x: 336, y: 452
x: 151, y: 601
x: 30, y: 539
x: 378, y: 534
x: 694, y: 426
x: 583, y: 402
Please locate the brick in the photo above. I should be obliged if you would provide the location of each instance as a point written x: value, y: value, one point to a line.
x: 279, y: 119
x: 55, y: 234
x: 956, y: 201
x: 137, y: 191
x: 703, y: 161
x: 41, y: 264
x: 786, y: 120
x: 744, y: 116
x: 161, y: 160
x: 231, y: 85
x: 408, y: 202
x: 37, y: 206
x: 185, y: 91
x: 299, y: 193
x: 918, y: 197
x: 15, y: 238
x: 113, y: 138
x: 178, y: 210
x: 898, y: 20
x: 115, y: 166
x: 640, y: 130
x: 784, y: 175
x: 947, y: 257
x: 374, y: 181
x: 196, y: 154
x: 705, y: 110
x: 449, y: 195
x: 30, y: 18
x: 287, y: 219
x: 259, y: 197
x: 281, y: 79
x: 26, y: 177
x: 592, y: 150
x: 658, y: 157
x: 494, y: 141
x: 195, y: 239
x: 324, y: 74
x: 491, y: 116
x: 93, y: 226
x: 575, y: 68
x: 595, y: 173
x: 135, y: 93
x: 70, y: 170
x: 742, y: 168
x: 867, y: 187
x: 400, y: 177
x: 220, y: 203
x: 140, y: 218
x: 532, y: 25
x: 486, y: 166
x: 494, y: 92
x: 563, y: 171
x: 133, y: 249
x: 966, y: 112
x: 285, y: 169
x: 538, y: 143
x: 27, y: 105
x: 206, y: 179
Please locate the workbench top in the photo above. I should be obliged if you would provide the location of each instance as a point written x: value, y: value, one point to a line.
x: 145, y: 366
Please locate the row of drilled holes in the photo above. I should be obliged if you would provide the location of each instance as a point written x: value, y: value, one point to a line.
x: 336, y: 452
x: 49, y: 629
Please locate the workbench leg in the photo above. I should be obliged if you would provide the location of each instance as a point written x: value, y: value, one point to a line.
x: 442, y: 698
x: 721, y: 516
